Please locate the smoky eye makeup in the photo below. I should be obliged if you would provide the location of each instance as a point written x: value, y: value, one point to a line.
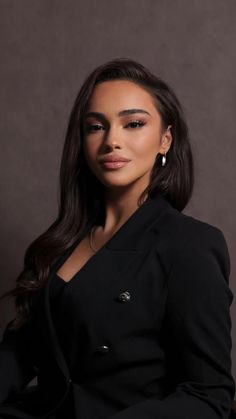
x: 136, y: 123
x: 93, y: 127
x: 96, y: 126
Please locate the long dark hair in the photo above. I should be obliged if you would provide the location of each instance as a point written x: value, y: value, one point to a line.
x: 76, y: 206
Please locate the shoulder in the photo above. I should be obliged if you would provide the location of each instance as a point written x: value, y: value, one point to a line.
x: 181, y: 226
x: 187, y: 224
x: 194, y: 255
x: 179, y: 235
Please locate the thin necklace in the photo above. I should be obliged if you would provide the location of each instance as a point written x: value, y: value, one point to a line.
x: 90, y: 238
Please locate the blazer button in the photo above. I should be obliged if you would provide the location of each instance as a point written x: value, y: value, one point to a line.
x: 124, y: 297
x: 103, y: 349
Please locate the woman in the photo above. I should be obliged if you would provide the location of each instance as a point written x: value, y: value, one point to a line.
x: 123, y: 306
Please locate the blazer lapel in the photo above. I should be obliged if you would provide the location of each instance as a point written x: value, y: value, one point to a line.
x: 111, y: 261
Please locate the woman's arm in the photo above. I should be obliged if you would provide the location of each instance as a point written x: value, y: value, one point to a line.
x: 16, y: 359
x: 198, y: 312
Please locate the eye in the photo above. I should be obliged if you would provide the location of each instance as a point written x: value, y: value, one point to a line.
x: 97, y: 127
x: 136, y: 124
x: 93, y: 127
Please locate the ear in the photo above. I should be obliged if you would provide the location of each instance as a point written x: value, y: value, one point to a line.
x: 166, y: 140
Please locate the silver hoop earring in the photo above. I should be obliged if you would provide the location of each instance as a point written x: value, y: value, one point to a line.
x: 163, y: 162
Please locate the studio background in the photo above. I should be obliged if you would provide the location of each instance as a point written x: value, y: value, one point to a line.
x: 47, y: 49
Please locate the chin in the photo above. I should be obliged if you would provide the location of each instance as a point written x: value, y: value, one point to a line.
x: 115, y: 178
x: 116, y: 184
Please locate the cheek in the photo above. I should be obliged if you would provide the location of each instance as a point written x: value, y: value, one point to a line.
x: 145, y: 147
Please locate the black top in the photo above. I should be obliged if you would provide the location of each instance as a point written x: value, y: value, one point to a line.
x: 67, y: 328
x: 66, y: 319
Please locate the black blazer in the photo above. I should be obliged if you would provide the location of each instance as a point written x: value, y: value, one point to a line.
x: 155, y: 315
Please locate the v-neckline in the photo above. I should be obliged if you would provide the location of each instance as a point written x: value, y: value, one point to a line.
x: 67, y: 254
x: 102, y: 249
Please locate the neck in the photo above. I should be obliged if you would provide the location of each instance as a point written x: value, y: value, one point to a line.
x: 118, y: 209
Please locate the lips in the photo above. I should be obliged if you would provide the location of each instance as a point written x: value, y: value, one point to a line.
x: 114, y: 158
x: 114, y: 164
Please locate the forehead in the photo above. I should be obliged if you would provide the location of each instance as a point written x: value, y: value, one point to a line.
x: 120, y: 94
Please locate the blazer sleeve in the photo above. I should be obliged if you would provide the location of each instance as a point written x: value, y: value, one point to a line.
x: 16, y: 359
x: 198, y: 312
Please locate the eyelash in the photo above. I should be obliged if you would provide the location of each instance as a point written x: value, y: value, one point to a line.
x: 140, y: 124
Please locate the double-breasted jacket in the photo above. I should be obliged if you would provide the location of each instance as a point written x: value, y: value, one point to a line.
x: 153, y: 329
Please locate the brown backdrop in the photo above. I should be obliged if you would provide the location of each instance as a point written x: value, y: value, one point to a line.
x: 47, y: 49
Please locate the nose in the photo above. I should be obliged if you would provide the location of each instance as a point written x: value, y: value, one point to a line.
x: 112, y: 137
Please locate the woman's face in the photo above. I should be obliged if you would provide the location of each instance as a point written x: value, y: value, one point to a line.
x: 113, y: 126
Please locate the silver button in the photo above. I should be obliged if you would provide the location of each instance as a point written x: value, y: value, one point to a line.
x: 103, y: 348
x: 124, y: 296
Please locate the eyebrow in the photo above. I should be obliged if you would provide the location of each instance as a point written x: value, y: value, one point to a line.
x: 121, y: 113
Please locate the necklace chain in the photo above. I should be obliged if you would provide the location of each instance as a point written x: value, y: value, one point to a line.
x: 90, y: 238
x: 91, y: 233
